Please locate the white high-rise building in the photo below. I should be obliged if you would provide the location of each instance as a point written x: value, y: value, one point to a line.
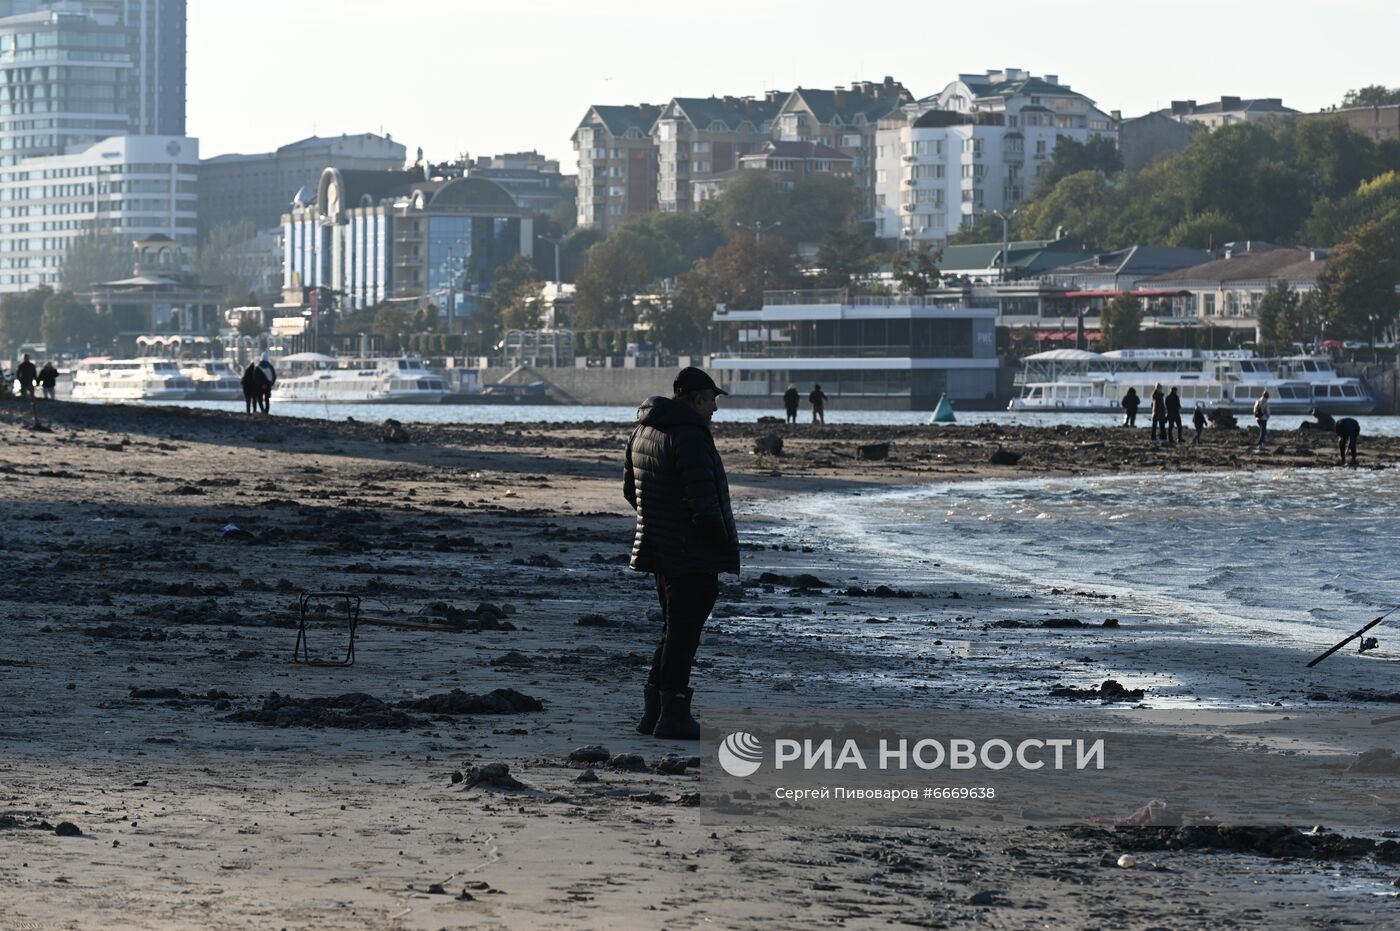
x: 977, y: 146
x: 91, y: 129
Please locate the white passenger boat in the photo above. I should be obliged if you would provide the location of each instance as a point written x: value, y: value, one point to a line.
x: 214, y: 380
x: 1074, y: 380
x: 1332, y: 393
x: 102, y: 379
x: 319, y: 379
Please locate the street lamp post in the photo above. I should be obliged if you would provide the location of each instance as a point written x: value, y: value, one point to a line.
x: 555, y: 243
x: 1005, y: 238
x: 759, y: 228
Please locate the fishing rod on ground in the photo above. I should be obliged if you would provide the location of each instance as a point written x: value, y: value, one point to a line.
x: 1369, y: 643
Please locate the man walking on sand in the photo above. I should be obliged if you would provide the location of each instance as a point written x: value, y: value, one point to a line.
x: 1159, y: 413
x: 1261, y: 416
x: 790, y: 398
x: 269, y: 375
x: 818, y: 401
x: 48, y: 380
x: 1173, y: 414
x: 27, y: 375
x: 675, y: 481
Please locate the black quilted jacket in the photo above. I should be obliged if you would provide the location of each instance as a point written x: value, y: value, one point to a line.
x: 676, y: 483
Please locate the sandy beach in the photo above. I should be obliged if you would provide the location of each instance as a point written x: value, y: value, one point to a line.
x: 154, y: 705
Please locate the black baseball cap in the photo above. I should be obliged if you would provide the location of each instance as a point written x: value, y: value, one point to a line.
x: 691, y: 379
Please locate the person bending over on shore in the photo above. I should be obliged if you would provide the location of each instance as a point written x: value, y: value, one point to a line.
x: 1159, y: 413
x: 817, y: 399
x: 1261, y: 416
x: 790, y: 399
x: 1348, y: 430
x: 48, y: 380
x: 1131, y: 402
x: 674, y: 479
x: 27, y: 374
x: 269, y: 375
x: 1174, y: 414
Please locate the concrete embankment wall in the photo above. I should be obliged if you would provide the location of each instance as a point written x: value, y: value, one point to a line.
x: 630, y: 387
x: 627, y: 387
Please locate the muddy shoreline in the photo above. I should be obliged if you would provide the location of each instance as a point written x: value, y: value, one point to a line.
x: 146, y: 642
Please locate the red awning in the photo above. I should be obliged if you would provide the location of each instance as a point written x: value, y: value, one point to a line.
x: 1333, y: 344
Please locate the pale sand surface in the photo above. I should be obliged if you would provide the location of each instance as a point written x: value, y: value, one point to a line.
x: 190, y: 821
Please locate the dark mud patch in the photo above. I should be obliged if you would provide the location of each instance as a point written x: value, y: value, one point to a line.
x: 497, y: 701
x: 1111, y: 690
x: 353, y: 710
x: 1275, y: 841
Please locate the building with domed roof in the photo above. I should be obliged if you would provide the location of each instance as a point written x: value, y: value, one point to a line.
x: 160, y: 297
x: 365, y: 237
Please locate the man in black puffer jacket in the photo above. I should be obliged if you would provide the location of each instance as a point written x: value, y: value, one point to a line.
x: 685, y: 536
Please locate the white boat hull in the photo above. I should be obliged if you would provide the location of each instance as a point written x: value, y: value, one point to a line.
x: 81, y: 393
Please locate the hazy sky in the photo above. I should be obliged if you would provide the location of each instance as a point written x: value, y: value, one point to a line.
x: 493, y: 76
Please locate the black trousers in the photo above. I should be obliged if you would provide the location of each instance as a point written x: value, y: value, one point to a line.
x: 686, y: 602
x: 1174, y: 420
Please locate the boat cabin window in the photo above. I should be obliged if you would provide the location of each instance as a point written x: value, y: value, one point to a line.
x: 1349, y: 390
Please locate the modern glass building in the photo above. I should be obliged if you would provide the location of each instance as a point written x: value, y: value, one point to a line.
x: 372, y: 236
x: 882, y: 352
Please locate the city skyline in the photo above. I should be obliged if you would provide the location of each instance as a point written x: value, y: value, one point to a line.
x: 530, y: 90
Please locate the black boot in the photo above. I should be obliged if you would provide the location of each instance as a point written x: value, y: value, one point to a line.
x: 650, y: 711
x: 676, y: 722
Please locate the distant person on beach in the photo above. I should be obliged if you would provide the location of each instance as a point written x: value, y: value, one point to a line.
x: 253, y: 383
x: 1174, y: 414
x: 1348, y: 430
x: 1131, y: 403
x: 1198, y: 420
x: 269, y: 375
x: 1159, y: 413
x: 818, y: 401
x: 675, y: 481
x: 790, y: 399
x: 1261, y: 417
x: 48, y: 380
x: 27, y: 374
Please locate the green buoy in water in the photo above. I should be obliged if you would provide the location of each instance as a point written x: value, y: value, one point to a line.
x: 943, y: 413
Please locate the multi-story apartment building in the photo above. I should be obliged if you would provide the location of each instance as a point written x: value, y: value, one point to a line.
x: 368, y: 236
x: 616, y: 164
x: 976, y: 147
x: 845, y: 120
x: 260, y: 187
x: 79, y: 100
x: 700, y: 138
x: 1227, y: 110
